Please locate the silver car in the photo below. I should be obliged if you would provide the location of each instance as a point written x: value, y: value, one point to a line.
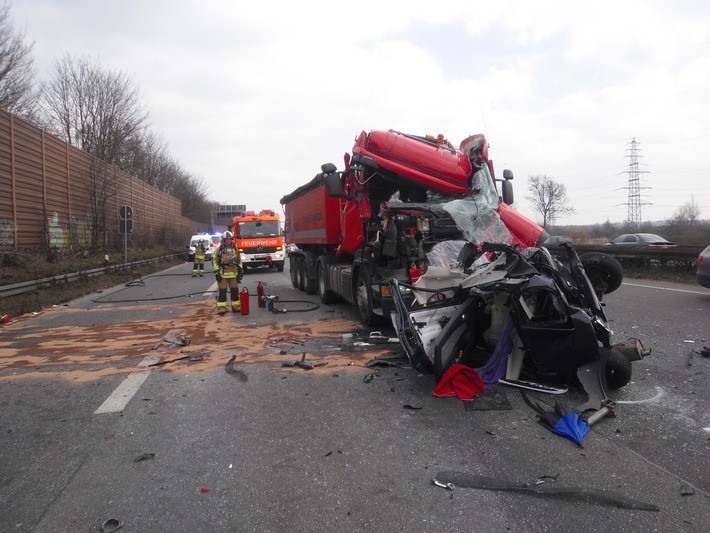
x: 703, y: 273
x: 649, y: 240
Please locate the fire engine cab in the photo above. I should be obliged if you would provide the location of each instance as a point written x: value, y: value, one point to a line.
x: 259, y: 239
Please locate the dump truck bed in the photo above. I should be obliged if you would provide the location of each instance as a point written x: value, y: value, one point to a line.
x: 311, y: 216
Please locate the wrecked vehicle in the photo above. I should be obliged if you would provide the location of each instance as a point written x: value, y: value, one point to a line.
x: 399, y: 196
x: 519, y: 317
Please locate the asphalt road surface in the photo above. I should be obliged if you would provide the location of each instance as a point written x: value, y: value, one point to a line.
x: 140, y: 407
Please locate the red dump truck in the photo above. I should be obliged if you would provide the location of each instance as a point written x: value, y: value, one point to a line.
x: 390, y: 213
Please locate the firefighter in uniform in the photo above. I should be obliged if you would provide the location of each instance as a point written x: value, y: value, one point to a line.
x: 199, y: 266
x: 228, y: 272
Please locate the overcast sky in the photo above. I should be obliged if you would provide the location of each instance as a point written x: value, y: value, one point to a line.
x: 253, y: 97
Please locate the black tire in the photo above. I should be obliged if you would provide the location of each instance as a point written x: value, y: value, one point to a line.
x: 280, y: 267
x: 309, y: 277
x: 604, y: 271
x: 292, y: 270
x: 296, y: 271
x: 618, y: 368
x: 302, y: 275
x: 363, y: 300
x: 326, y: 296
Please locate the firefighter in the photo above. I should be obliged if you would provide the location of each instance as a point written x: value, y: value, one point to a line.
x: 228, y: 272
x: 199, y: 266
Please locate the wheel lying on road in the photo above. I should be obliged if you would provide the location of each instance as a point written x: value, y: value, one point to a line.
x: 618, y: 368
x: 604, y: 271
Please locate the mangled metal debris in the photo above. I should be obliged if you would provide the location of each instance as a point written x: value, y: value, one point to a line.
x: 303, y: 363
x: 602, y: 496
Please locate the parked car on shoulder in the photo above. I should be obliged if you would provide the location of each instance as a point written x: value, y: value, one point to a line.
x: 650, y: 240
x: 703, y: 273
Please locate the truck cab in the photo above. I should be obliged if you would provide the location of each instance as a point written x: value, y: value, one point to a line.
x: 259, y: 239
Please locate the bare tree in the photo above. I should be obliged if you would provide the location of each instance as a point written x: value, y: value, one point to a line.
x: 687, y: 216
x: 17, y: 71
x: 94, y: 109
x: 549, y: 198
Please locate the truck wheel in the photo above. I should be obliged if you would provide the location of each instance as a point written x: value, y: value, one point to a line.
x: 604, y: 271
x: 309, y: 276
x: 618, y: 368
x: 326, y: 296
x: 280, y: 267
x: 363, y: 299
x: 293, y: 267
x: 301, y: 273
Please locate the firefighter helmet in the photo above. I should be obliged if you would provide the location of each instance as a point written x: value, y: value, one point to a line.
x: 227, y: 235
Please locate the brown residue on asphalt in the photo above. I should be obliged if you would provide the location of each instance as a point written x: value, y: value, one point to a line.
x: 86, y: 353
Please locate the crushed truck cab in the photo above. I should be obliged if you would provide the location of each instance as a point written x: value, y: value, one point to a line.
x: 382, y: 217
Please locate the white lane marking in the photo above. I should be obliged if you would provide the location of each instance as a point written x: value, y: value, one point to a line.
x: 659, y: 394
x: 127, y: 389
x: 664, y: 288
x: 211, y: 290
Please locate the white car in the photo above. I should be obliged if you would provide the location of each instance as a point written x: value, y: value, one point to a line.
x: 209, y: 246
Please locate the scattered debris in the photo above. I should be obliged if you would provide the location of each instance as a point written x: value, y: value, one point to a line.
x: 111, y: 525
x: 143, y: 457
x: 159, y: 363
x: 177, y: 337
x: 229, y: 369
x: 464, y: 480
x: 687, y: 490
x: 562, y: 420
x: 449, y: 486
x: 303, y: 363
x: 705, y: 351
x: 411, y: 407
x: 493, y: 398
x: 632, y: 348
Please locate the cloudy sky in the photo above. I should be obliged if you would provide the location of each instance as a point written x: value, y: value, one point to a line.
x: 253, y: 97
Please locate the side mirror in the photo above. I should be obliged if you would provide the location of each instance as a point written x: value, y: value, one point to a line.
x: 328, y: 168
x: 507, y: 174
x: 334, y: 184
x: 507, y: 191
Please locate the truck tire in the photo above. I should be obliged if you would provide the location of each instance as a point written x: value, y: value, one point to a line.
x: 301, y: 273
x: 618, y: 368
x: 296, y: 271
x: 309, y: 273
x: 363, y: 300
x: 326, y: 296
x: 604, y: 271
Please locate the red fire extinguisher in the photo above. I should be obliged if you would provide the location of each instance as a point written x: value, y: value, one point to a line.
x: 260, y: 294
x: 244, y: 301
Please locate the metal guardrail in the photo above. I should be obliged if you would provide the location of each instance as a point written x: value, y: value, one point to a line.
x: 38, y: 284
x: 678, y: 255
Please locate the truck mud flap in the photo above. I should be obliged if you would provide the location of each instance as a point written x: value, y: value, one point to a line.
x: 408, y: 338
